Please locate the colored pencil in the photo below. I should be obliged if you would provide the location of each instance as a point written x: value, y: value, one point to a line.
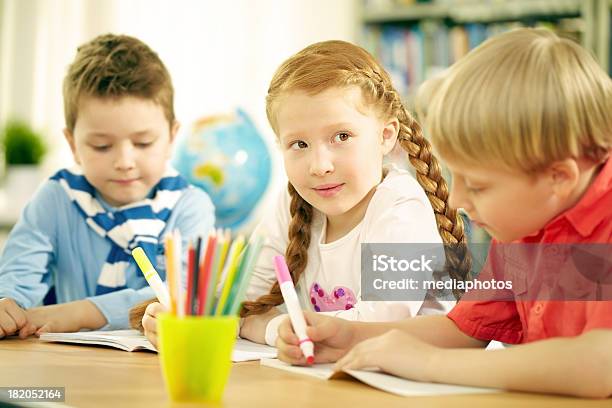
x: 170, y: 279
x: 190, y: 278
x: 245, y: 276
x: 196, y: 277
x: 205, y: 269
x: 178, y: 273
x: 234, y: 259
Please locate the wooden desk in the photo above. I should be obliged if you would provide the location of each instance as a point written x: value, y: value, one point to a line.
x: 97, y: 376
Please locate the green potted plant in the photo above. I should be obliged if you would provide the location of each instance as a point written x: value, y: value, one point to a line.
x: 22, y: 145
x: 24, y: 150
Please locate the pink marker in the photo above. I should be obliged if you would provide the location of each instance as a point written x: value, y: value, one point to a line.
x: 293, y: 307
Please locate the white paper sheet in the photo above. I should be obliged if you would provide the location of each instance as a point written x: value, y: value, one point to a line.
x: 377, y: 379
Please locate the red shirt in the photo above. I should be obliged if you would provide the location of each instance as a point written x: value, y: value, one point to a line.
x: 589, y: 221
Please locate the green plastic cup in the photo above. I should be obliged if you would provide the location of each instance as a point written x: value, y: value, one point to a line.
x: 196, y: 354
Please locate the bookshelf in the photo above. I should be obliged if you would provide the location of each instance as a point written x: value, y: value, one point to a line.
x: 417, y: 40
x: 472, y: 11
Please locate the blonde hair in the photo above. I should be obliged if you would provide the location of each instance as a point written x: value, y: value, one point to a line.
x: 329, y: 64
x: 523, y: 99
x: 112, y: 66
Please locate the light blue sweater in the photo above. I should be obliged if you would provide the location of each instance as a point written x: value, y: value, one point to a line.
x: 51, y: 245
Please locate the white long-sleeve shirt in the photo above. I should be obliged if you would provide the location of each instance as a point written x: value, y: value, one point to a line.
x: 399, y: 212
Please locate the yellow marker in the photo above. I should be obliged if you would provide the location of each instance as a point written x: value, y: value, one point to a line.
x: 151, y: 276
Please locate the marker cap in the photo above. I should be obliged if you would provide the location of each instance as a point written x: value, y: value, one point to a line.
x: 282, y: 271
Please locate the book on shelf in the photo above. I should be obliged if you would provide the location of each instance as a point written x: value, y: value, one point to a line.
x: 415, y: 51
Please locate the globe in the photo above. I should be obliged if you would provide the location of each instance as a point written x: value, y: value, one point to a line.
x: 227, y: 157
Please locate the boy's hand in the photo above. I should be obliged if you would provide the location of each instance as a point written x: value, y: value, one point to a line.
x: 13, y: 319
x: 332, y: 337
x: 66, y: 317
x: 149, y: 321
x: 394, y: 352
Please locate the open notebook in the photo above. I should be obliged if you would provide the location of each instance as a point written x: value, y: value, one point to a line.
x: 377, y: 379
x: 132, y: 340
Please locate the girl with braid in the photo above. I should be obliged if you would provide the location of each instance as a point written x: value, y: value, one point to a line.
x: 336, y: 116
x: 524, y: 124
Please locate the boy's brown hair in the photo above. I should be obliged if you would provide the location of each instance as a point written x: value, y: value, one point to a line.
x: 112, y: 66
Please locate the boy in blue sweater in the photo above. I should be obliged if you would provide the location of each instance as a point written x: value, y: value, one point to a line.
x: 76, y: 235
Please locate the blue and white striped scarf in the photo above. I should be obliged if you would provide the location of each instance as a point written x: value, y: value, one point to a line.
x: 136, y: 224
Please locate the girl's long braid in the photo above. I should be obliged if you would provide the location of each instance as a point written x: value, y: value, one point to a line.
x: 296, y: 254
x: 410, y: 137
x: 428, y: 174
